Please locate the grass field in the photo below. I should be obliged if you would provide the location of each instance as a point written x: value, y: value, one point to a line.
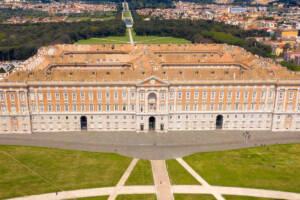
x: 233, y: 197
x: 274, y: 167
x: 141, y: 174
x: 137, y: 197
x: 193, y: 197
x: 137, y: 40
x: 32, y: 170
x: 178, y: 175
x: 126, y: 14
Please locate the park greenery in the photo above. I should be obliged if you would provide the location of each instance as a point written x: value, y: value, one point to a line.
x: 21, y: 41
x: 141, y: 174
x: 202, y: 31
x: 290, y: 66
x: 7, y: 13
x: 56, y: 170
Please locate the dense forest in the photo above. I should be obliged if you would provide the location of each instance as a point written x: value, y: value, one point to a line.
x: 21, y: 41
x: 201, y: 31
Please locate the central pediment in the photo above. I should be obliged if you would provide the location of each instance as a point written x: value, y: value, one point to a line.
x: 152, y: 81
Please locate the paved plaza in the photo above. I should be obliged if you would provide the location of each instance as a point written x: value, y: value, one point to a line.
x: 151, y: 146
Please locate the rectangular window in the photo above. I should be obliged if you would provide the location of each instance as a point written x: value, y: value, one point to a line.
x: 99, y: 95
x: 162, y: 107
x: 212, y: 106
x: 289, y: 107
x: 179, y: 95
x: 57, y: 108
x: 116, y: 107
x: 237, y: 105
x: 12, y: 97
x: 74, y: 96
x: 1, y: 96
x: 142, y: 95
x: 246, y: 95
x: 229, y: 94
x: 74, y: 107
x: 91, y: 107
x: 13, y: 108
x: 32, y: 96
x: 48, y: 96
x: 172, y: 95
x: 196, y: 95
x: 91, y: 96
x: 82, y: 107
x: 116, y: 95
x: 49, y: 108
x: 82, y: 95
x: 253, y: 105
x: 57, y: 96
x: 281, y: 94
x: 279, y: 106
x: 228, y: 106
x: 40, y: 96
x: 261, y: 106
x: 3, y: 109
x: 203, y: 106
x: 254, y: 94
x: 99, y: 107
x: 32, y: 108
x: 212, y: 95
x: 132, y: 95
x: 124, y: 95
x: 66, y: 107
x: 245, y: 106
x: 124, y: 107
x: 65, y: 96
x: 220, y: 106
x: 107, y: 107
x: 237, y: 94
x: 291, y: 96
x: 171, y: 107
x: 204, y: 95
x: 179, y: 107
x: 162, y: 95
x: 187, y: 106
x: 221, y: 94
x: 270, y: 94
x: 262, y: 94
x: 41, y: 107
x: 22, y: 96
x: 195, y: 107
x: 188, y: 96
x: 132, y: 107
x: 142, y: 108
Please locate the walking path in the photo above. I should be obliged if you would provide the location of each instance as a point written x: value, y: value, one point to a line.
x: 199, y: 178
x: 161, y: 180
x: 123, y: 179
x: 130, y: 36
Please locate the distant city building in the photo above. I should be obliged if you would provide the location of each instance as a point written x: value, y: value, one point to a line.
x: 235, y: 10
x: 163, y: 87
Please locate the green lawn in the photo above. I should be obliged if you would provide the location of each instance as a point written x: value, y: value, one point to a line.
x: 233, y: 197
x: 41, y: 170
x: 126, y: 14
x: 274, y: 167
x: 193, y: 197
x: 141, y: 174
x: 178, y: 175
x: 137, y: 197
x: 136, y: 39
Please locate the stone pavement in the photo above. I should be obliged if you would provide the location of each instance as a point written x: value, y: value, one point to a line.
x: 123, y: 179
x: 161, y: 180
x: 152, y: 146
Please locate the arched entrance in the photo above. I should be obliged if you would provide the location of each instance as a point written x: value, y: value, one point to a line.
x: 151, y: 123
x: 219, y: 122
x: 83, y: 123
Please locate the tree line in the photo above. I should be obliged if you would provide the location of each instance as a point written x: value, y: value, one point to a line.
x: 20, y: 41
x: 203, y: 31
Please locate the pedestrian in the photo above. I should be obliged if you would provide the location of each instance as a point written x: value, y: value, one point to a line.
x: 56, y: 192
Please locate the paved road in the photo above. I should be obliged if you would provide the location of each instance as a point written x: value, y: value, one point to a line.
x: 130, y: 36
x: 152, y: 146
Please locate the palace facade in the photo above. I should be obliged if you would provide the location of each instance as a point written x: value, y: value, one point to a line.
x: 148, y: 87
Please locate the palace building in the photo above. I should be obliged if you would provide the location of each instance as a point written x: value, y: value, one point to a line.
x: 182, y: 87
